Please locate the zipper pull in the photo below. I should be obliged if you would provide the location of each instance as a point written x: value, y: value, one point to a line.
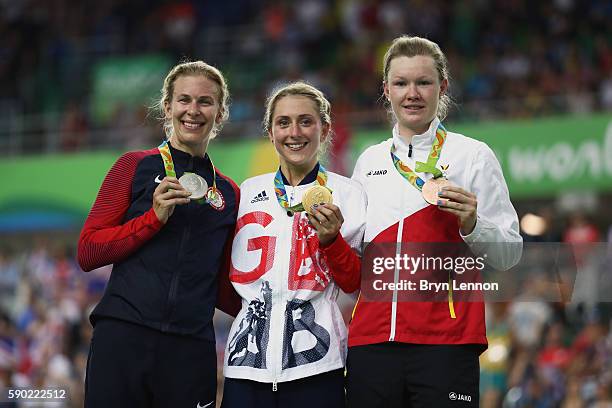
x: 274, y: 386
x: 410, y: 150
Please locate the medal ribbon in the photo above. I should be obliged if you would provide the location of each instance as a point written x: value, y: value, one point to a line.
x: 423, y: 167
x: 164, y: 150
x: 428, y: 167
x: 451, y: 304
x: 281, y: 193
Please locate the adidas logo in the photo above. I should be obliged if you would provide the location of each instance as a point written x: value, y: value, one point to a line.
x: 260, y: 197
x: 376, y: 173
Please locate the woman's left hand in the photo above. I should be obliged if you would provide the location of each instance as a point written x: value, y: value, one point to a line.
x: 327, y: 220
x: 462, y: 203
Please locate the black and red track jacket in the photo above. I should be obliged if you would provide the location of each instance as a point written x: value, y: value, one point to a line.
x: 165, y: 276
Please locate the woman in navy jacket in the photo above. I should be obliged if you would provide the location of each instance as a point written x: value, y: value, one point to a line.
x: 153, y: 341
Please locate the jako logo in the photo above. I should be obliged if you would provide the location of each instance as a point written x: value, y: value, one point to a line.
x: 453, y: 396
x: 376, y: 173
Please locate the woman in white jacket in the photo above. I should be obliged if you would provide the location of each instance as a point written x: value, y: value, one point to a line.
x: 287, y: 346
x: 425, y: 185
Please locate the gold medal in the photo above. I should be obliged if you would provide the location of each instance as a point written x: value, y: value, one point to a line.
x: 195, y: 184
x: 316, y: 195
x: 432, y: 187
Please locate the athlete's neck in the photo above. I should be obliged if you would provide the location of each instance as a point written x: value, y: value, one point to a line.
x: 196, y: 150
x: 295, y: 174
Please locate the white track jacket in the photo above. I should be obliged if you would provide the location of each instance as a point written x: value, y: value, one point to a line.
x: 290, y: 325
x: 397, y: 213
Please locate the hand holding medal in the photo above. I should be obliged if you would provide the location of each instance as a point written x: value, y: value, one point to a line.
x: 166, y: 196
x: 432, y: 188
x: 322, y: 213
x: 327, y: 220
x: 460, y: 202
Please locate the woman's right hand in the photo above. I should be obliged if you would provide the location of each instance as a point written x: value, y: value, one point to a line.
x: 166, y: 196
x: 327, y: 220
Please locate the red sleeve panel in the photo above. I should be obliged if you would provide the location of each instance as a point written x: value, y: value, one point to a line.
x: 344, y: 264
x: 228, y: 300
x: 104, y: 239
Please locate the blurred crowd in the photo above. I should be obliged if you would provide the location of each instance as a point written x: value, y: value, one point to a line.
x: 542, y: 353
x: 508, y: 58
x: 45, y: 300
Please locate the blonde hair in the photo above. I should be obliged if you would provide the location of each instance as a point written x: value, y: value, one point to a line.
x: 407, y: 46
x: 193, y: 68
x: 300, y: 88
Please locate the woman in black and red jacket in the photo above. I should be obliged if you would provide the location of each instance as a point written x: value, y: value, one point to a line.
x: 153, y: 341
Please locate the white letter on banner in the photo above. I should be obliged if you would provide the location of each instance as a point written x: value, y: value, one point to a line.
x: 607, y: 151
x: 560, y: 161
x: 525, y: 164
x: 588, y: 157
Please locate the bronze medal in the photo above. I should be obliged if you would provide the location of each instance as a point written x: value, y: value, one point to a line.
x: 432, y: 187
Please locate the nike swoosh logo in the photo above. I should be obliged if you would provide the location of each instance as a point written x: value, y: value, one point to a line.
x: 207, y: 405
x: 157, y: 179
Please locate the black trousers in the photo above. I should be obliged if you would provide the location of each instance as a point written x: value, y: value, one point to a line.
x: 135, y: 366
x: 324, y: 390
x: 389, y: 375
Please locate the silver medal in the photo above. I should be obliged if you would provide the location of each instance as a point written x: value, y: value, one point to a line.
x: 195, y: 184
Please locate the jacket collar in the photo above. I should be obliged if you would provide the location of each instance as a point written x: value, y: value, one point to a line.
x: 187, y: 162
x: 309, y: 178
x: 181, y: 156
x: 422, y: 141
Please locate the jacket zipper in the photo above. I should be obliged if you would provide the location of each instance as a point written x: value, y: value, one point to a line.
x: 398, y: 250
x: 274, y: 347
x: 175, y: 279
x: 175, y: 276
x: 280, y: 298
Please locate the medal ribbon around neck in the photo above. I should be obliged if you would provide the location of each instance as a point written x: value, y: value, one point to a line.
x: 164, y: 150
x: 428, y: 167
x: 281, y: 193
x: 423, y: 167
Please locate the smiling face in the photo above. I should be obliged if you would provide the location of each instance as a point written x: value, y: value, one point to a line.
x: 414, y: 88
x: 297, y: 132
x: 194, y: 111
